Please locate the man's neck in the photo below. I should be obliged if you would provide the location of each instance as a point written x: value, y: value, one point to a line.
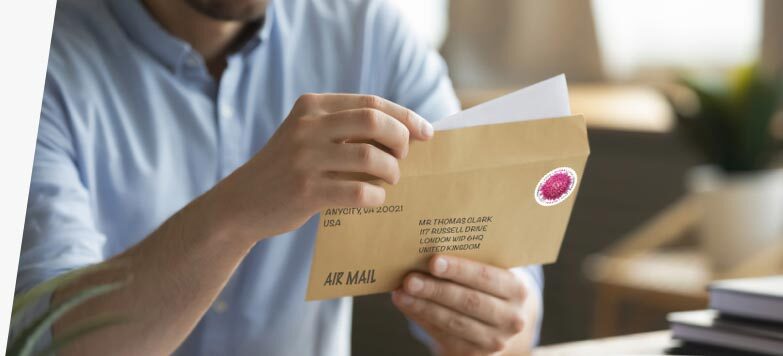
x: 213, y: 39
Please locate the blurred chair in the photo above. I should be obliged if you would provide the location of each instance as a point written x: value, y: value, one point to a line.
x: 661, y: 268
x: 637, y: 282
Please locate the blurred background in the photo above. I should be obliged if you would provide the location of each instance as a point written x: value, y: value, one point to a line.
x: 674, y: 195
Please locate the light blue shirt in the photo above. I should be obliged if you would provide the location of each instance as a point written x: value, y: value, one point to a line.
x: 133, y: 128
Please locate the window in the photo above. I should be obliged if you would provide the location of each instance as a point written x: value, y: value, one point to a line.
x: 639, y: 35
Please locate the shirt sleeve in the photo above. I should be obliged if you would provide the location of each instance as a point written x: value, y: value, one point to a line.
x: 533, y: 277
x: 416, y: 77
x: 59, y: 232
x: 403, y: 68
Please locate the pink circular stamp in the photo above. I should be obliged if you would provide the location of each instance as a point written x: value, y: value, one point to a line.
x: 555, y: 186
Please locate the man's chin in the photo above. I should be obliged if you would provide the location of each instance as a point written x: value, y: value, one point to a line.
x: 230, y: 10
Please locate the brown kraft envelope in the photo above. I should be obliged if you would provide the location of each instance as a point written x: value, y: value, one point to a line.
x: 501, y: 194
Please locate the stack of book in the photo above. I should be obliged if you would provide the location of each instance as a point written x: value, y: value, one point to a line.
x: 745, y: 316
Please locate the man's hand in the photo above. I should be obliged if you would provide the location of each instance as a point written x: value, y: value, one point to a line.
x: 311, y: 162
x: 468, y: 308
x: 317, y: 158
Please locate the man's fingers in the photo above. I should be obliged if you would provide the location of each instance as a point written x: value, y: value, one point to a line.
x: 450, y: 322
x: 360, y: 158
x: 489, y: 279
x: 446, y: 344
x: 368, y: 124
x: 355, y: 194
x: 420, y: 129
x: 474, y: 303
x: 454, y: 346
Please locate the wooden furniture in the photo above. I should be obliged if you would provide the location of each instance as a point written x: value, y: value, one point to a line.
x: 637, y: 283
x: 652, y: 343
x: 636, y: 293
x: 657, y: 269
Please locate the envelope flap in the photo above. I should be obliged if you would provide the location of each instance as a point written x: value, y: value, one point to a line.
x: 491, y: 146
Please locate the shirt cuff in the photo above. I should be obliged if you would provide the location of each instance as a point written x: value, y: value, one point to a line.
x: 533, y: 277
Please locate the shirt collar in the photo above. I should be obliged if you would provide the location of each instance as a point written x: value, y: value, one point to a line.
x: 173, y: 52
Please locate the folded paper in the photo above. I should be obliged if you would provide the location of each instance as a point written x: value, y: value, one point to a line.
x: 499, y: 193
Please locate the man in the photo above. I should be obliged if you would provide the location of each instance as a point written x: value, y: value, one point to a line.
x: 177, y: 139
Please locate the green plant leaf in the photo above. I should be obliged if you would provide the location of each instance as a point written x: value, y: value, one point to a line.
x: 23, y: 300
x: 732, y: 125
x: 759, y: 109
x: 80, y: 330
x: 30, y: 336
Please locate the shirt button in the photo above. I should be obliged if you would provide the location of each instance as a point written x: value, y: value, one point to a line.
x: 226, y: 111
x: 220, y: 306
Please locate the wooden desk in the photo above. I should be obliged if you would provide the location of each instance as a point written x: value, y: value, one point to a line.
x: 652, y: 343
x: 609, y: 106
